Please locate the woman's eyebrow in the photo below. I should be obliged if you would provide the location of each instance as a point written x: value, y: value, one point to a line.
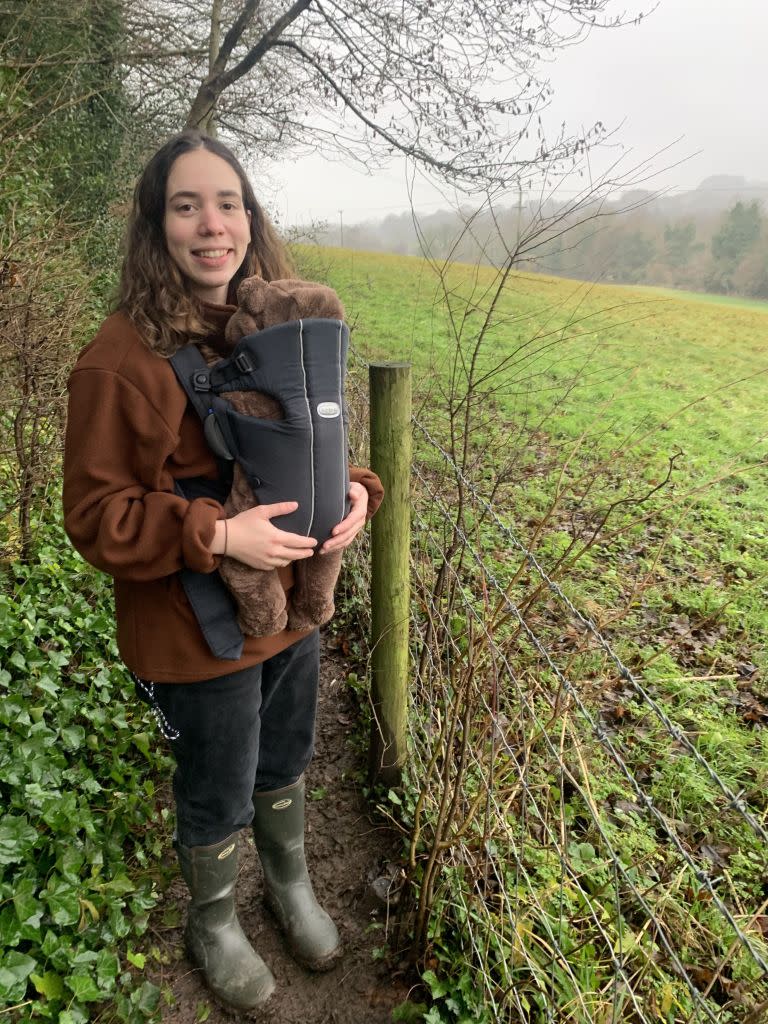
x: 225, y: 193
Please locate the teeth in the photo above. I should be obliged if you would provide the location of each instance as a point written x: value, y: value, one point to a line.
x: 211, y: 253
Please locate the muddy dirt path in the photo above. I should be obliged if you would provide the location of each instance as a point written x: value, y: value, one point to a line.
x: 346, y: 851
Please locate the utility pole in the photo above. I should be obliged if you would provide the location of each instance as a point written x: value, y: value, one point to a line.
x: 341, y: 228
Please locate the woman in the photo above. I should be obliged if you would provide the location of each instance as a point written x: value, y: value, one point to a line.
x: 242, y: 731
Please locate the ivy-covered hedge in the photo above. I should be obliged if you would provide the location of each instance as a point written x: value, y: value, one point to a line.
x: 79, y: 828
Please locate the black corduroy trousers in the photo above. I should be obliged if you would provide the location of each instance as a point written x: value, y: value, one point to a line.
x: 249, y: 730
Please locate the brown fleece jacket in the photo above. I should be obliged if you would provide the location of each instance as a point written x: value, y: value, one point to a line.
x: 130, y: 434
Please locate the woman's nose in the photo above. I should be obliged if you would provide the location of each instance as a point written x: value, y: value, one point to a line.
x: 211, y: 222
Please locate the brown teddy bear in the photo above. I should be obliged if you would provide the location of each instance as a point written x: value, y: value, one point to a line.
x: 261, y: 600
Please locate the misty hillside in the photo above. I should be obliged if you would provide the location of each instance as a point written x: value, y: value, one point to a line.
x: 712, y: 238
x: 714, y: 195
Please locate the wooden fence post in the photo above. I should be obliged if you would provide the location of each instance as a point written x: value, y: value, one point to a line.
x: 390, y: 388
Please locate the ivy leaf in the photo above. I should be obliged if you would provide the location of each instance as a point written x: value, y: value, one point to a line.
x: 49, y: 985
x: 70, y: 863
x: 119, y: 885
x: 86, y: 908
x: 18, y: 660
x: 59, y: 659
x: 29, y: 910
x: 61, y: 813
x: 146, y: 998
x: 409, y: 1013
x: 137, y: 959
x: 107, y: 969
x: 73, y: 737
x: 15, y: 968
x: 54, y: 947
x: 47, y: 686
x: 84, y: 987
x: 62, y: 901
x: 85, y: 957
x: 74, y: 1015
x: 141, y: 740
x: 17, y: 837
x: 10, y: 930
x: 437, y: 987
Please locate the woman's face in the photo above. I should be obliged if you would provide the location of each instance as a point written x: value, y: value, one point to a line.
x: 207, y: 228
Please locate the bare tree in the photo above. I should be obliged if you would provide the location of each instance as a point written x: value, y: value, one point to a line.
x: 454, y: 84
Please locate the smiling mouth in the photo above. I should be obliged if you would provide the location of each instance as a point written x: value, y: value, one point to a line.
x: 210, y: 254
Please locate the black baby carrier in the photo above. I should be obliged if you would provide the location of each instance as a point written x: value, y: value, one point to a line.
x: 303, y: 457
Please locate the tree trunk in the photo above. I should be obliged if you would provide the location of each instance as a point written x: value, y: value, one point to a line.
x: 208, y: 124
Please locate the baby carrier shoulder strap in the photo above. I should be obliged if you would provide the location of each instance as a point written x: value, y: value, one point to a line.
x: 195, y: 377
x: 208, y: 595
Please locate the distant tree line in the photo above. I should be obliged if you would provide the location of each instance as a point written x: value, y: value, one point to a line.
x: 635, y: 241
x: 725, y: 253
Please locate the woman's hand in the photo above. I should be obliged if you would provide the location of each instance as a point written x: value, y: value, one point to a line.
x: 345, y: 532
x: 251, y: 538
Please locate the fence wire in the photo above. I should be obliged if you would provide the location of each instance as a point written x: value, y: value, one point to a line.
x: 734, y: 800
x: 566, y: 902
x: 602, y: 737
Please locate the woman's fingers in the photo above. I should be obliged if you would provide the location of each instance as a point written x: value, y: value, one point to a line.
x: 278, y: 508
x: 345, y: 532
x: 282, y: 538
x: 254, y: 540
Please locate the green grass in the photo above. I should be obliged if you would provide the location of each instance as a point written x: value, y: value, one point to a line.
x: 644, y: 356
x: 737, y: 301
x: 625, y: 376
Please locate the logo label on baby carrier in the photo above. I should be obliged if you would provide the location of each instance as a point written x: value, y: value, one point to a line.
x: 280, y: 805
x: 328, y: 410
x: 226, y: 852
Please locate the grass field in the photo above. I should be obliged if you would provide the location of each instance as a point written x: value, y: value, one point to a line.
x: 738, y: 301
x: 645, y: 353
x: 630, y: 376
x: 644, y: 412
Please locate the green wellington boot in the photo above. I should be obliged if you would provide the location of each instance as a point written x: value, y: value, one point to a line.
x: 233, y: 970
x: 278, y: 827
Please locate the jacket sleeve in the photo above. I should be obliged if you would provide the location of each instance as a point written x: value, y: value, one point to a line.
x: 371, y: 483
x: 120, y: 510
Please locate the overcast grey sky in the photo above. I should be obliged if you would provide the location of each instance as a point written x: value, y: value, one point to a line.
x: 693, y: 68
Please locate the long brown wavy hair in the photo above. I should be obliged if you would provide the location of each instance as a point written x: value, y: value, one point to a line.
x: 153, y: 292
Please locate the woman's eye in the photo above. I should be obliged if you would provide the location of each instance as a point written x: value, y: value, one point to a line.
x: 184, y: 208
x: 229, y: 206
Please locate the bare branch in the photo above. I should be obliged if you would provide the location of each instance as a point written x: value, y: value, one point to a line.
x: 219, y: 79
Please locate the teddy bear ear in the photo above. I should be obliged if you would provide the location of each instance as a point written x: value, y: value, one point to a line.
x: 250, y: 291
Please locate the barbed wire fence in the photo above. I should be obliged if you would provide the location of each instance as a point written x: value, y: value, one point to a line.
x: 544, y: 874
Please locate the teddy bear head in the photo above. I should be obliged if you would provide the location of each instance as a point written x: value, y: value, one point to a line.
x: 264, y: 304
